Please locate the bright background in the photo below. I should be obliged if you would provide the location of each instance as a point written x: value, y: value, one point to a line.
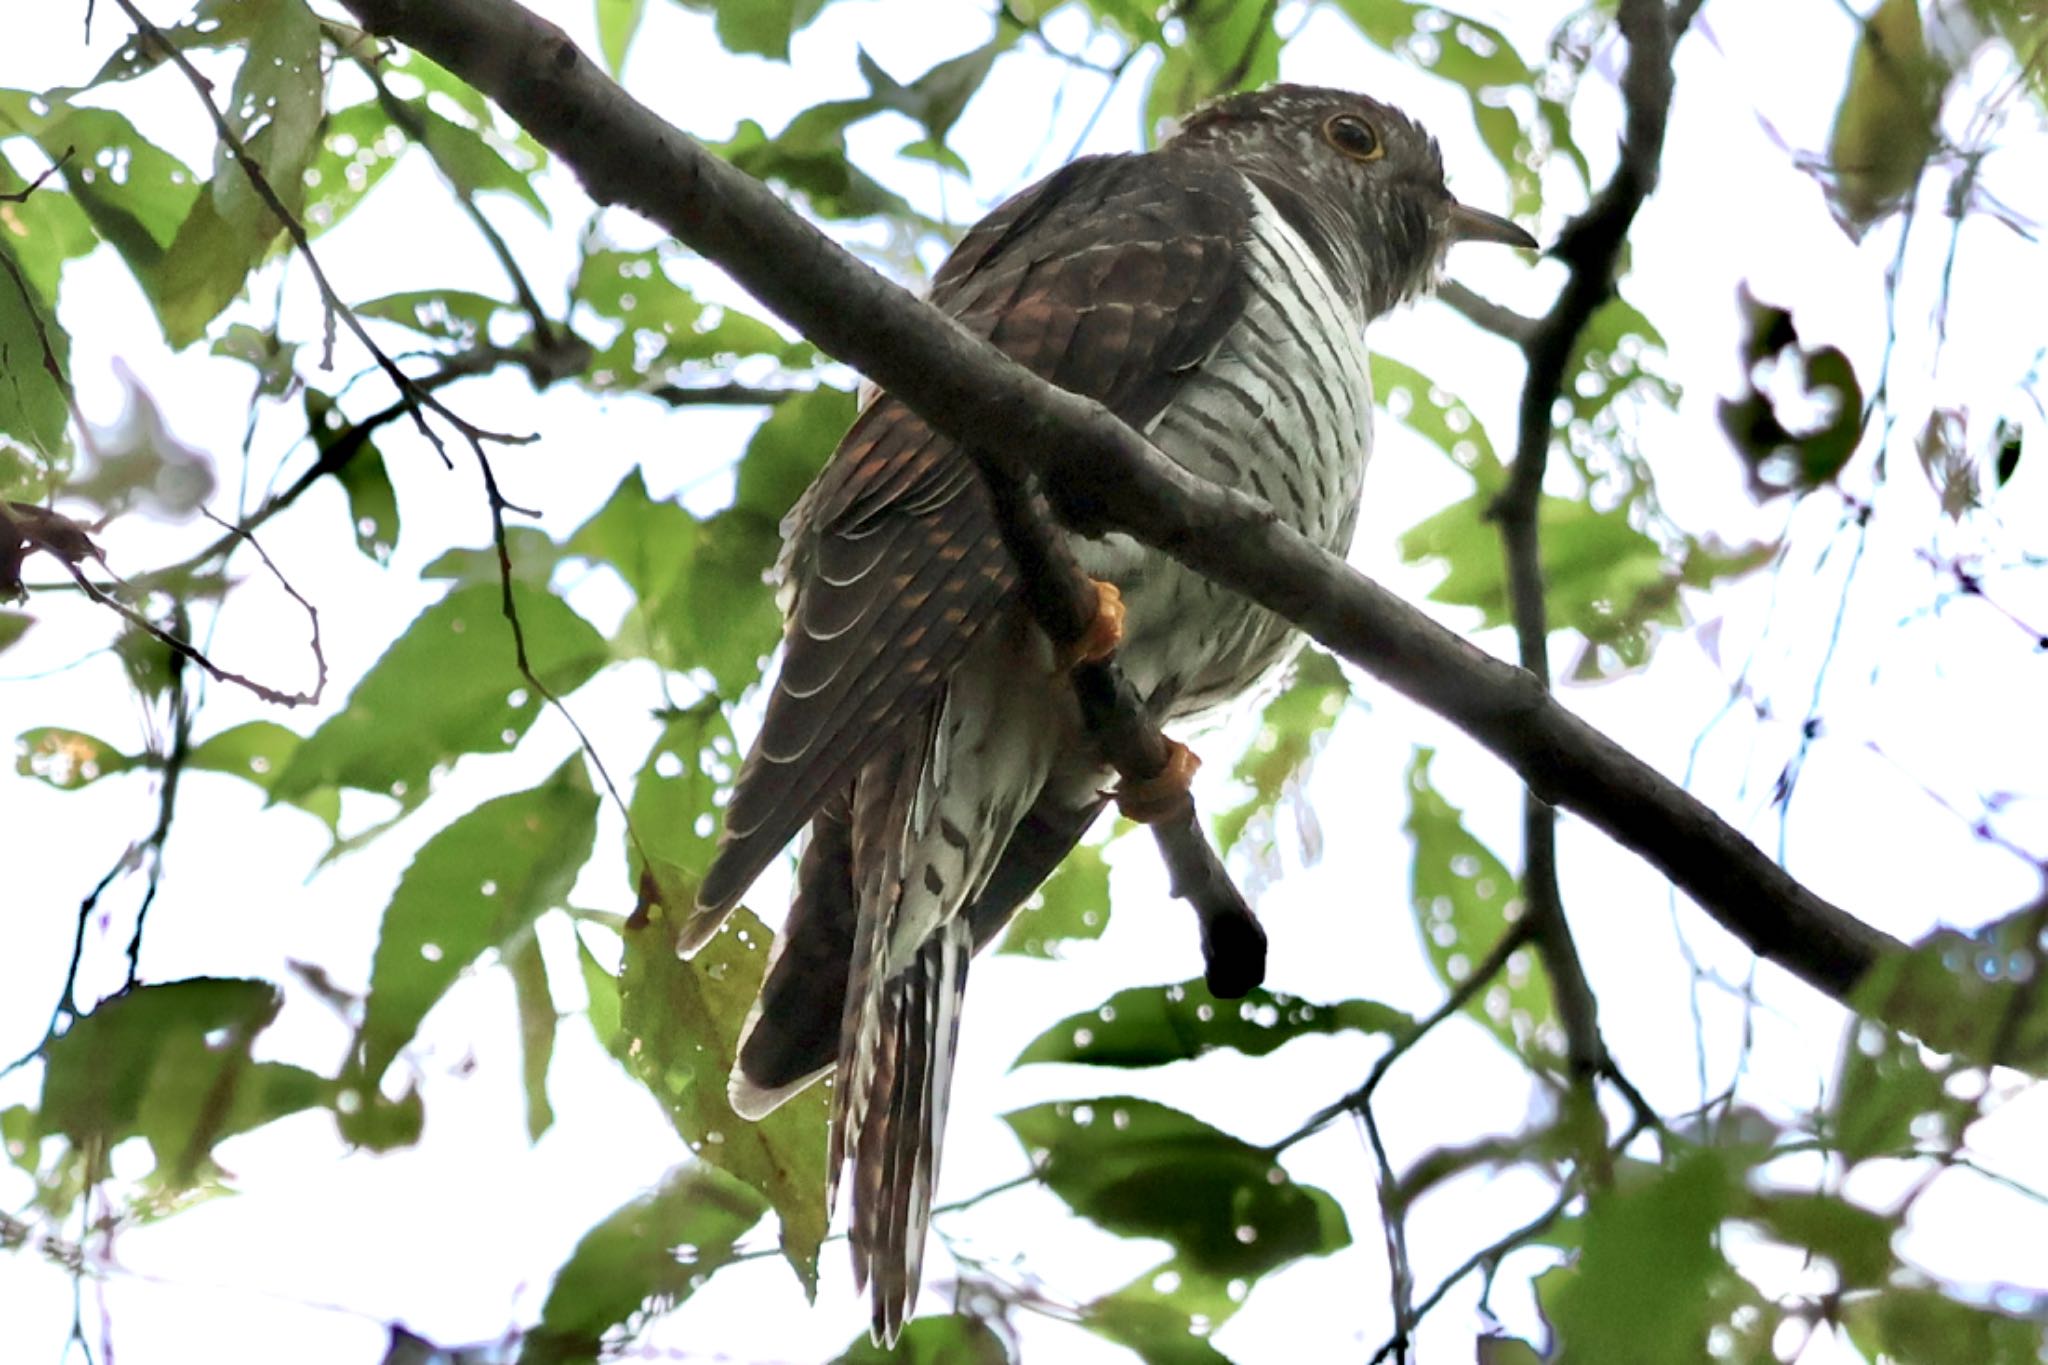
x: 1923, y: 699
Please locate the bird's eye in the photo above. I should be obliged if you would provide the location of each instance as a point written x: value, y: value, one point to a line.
x: 1354, y: 137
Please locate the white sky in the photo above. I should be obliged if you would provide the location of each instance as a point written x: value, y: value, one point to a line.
x: 457, y: 1238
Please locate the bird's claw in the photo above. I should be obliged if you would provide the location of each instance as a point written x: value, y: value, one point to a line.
x: 1104, y: 633
x: 1162, y: 795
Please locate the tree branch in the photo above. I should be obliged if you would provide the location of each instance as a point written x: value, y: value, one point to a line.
x: 1591, y: 246
x: 962, y: 385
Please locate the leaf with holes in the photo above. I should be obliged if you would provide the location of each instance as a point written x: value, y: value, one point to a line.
x: 257, y: 751
x: 1165, y: 1316
x: 1440, y: 417
x: 1914, y: 1323
x: 1464, y: 900
x: 1155, y: 1025
x: 34, y: 409
x: 448, y: 686
x: 1140, y: 1169
x: 475, y: 887
x: 69, y: 759
x: 650, y: 1254
x: 679, y: 1026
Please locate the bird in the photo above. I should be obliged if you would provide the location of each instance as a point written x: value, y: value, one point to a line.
x: 1212, y: 293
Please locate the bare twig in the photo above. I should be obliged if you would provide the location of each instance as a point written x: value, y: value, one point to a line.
x: 1484, y: 313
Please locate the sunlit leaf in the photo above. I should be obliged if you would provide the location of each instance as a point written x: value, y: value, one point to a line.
x: 475, y: 887
x: 1440, y: 417
x: 537, y: 1020
x: 1885, y: 128
x: 69, y: 759
x: 1154, y: 1025
x: 648, y: 1256
x: 1640, y: 1289
x: 462, y: 316
x: 1140, y: 1169
x: 42, y: 230
x: 1916, y: 1324
x: 170, y: 1063
x: 1165, y: 1316
x: 617, y: 22
x: 1464, y: 899
x: 1291, y: 729
x: 34, y: 409
x: 1857, y: 1241
x: 679, y: 1033
x: 449, y: 685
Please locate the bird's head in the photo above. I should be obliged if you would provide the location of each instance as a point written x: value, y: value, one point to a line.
x: 1360, y: 178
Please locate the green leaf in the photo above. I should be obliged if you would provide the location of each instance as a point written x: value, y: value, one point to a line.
x: 789, y: 448
x: 1439, y: 417
x: 811, y: 159
x: 762, y: 27
x: 69, y: 759
x: 1780, y: 459
x: 533, y: 554
x: 271, y: 356
x: 475, y: 163
x: 617, y: 22
x: 1601, y: 576
x: 651, y: 1254
x: 170, y: 1063
x: 1154, y: 1025
x: 13, y: 625
x: 1140, y: 1169
x: 662, y: 325
x: 462, y: 316
x: 1885, y: 1094
x: 274, y: 110
x: 1464, y: 899
x: 213, y: 25
x: 1919, y: 1325
x: 1975, y: 994
x: 476, y: 886
x: 446, y: 687
x: 602, y: 986
x: 34, y: 408
x: 673, y: 808
x: 372, y: 502
x: 1166, y: 1315
x: 1641, y: 1288
x: 537, y: 1020
x: 43, y: 230
x: 138, y: 211
x: 358, y: 146
x: 679, y: 1034
x: 1224, y: 47
x: 959, y: 1339
x: 1857, y: 1241
x: 1291, y: 729
x: 1070, y: 906
x: 703, y: 601
x: 257, y: 751
x: 1886, y: 127
x: 1478, y: 58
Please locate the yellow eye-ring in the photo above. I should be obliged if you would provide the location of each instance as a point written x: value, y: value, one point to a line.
x: 1354, y: 137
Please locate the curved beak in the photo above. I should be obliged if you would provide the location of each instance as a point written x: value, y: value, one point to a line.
x: 1477, y: 225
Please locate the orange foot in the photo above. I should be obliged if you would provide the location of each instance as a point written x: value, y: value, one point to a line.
x: 1104, y: 633
x: 1161, y: 795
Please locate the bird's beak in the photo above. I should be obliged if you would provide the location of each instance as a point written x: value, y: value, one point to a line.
x: 1477, y: 225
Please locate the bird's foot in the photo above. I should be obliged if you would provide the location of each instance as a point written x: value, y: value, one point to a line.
x: 1104, y: 633
x: 1160, y: 796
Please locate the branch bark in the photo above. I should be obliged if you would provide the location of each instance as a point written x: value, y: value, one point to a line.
x: 627, y: 156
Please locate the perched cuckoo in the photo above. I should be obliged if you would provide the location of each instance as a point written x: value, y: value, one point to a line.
x: 1213, y: 294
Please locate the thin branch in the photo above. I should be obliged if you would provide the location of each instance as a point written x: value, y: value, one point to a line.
x: 1484, y: 313
x: 963, y: 386
x: 1590, y: 246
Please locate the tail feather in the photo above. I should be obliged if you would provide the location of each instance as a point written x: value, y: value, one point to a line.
x: 791, y: 1035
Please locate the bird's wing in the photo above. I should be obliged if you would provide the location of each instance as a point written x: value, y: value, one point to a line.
x: 1111, y: 278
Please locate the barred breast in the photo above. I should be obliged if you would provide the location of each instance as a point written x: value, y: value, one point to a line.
x: 1282, y: 409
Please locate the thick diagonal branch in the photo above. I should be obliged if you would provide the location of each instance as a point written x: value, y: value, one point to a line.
x: 962, y: 385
